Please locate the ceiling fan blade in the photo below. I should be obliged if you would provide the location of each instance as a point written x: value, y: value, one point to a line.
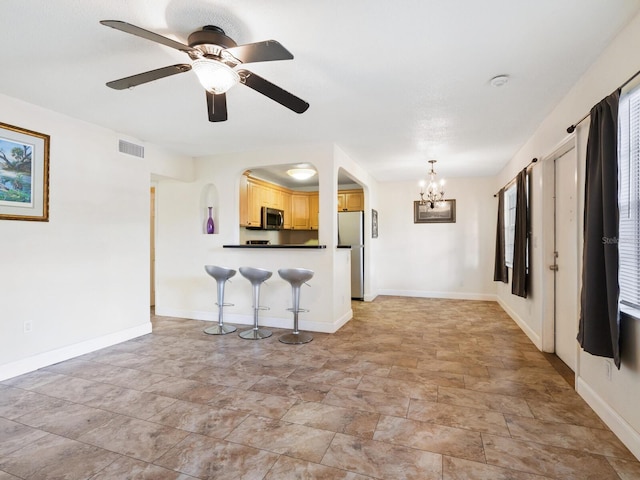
x: 260, y: 52
x: 140, y: 78
x: 217, y: 107
x: 272, y: 91
x: 141, y: 32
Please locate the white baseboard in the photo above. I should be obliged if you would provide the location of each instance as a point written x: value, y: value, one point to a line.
x: 450, y: 295
x: 533, y: 336
x: 265, y: 320
x: 610, y: 417
x: 30, y: 364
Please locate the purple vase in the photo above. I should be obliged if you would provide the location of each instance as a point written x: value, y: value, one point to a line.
x: 210, y: 226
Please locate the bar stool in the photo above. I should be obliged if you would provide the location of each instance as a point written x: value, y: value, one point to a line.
x: 221, y: 274
x: 296, y: 277
x: 256, y: 276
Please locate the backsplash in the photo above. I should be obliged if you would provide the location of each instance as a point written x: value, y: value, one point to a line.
x: 279, y: 237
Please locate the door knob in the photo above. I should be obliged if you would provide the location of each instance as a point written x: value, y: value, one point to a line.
x: 553, y: 267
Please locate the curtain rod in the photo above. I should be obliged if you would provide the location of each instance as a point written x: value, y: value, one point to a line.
x: 527, y: 167
x: 572, y: 128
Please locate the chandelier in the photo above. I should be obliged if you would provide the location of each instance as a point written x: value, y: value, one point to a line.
x: 432, y: 194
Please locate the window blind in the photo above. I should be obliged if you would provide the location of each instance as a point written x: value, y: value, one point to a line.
x: 629, y: 199
x: 510, y: 197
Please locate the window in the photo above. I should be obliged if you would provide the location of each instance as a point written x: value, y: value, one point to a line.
x: 629, y: 199
x: 510, y: 197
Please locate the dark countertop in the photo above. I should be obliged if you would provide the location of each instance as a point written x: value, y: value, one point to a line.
x: 315, y: 247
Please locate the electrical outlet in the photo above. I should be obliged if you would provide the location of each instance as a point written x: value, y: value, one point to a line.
x: 28, y: 326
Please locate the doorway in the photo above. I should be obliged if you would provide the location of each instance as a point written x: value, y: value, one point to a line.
x: 565, y: 256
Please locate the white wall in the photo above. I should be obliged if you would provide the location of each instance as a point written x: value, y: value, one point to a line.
x: 82, y: 278
x: 615, y: 400
x: 447, y: 260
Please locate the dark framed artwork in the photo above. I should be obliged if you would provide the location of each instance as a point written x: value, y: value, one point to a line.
x: 443, y: 212
x: 24, y: 174
x: 374, y: 223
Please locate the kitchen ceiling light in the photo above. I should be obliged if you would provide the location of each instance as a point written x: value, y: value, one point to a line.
x: 215, y: 77
x: 301, y: 173
x: 433, y: 191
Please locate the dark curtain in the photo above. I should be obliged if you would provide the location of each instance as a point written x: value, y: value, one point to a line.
x: 500, y: 272
x: 599, y: 330
x: 520, y: 243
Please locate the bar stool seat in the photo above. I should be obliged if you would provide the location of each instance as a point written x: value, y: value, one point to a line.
x: 221, y: 275
x: 296, y: 277
x: 256, y: 276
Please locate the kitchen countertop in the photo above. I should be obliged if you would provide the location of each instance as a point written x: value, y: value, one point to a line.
x: 276, y: 246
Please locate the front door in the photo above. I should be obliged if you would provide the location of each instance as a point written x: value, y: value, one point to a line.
x: 566, y: 261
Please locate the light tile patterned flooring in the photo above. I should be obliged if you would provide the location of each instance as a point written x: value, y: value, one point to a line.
x: 409, y: 389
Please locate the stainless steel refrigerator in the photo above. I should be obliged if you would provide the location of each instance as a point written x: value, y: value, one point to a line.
x: 351, y: 233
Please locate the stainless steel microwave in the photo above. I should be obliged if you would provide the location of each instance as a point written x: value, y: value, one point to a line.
x: 272, y: 219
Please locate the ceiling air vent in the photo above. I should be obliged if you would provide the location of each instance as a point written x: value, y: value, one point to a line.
x: 131, y: 149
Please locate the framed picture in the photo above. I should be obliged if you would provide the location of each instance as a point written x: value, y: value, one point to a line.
x: 374, y: 223
x: 24, y: 174
x: 443, y: 212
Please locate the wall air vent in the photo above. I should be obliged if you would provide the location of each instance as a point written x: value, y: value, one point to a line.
x: 131, y: 149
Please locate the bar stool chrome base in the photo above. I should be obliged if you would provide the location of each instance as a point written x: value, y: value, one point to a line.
x: 220, y: 329
x: 255, y: 334
x: 296, y: 338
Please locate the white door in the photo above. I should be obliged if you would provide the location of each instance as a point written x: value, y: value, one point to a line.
x: 566, y: 262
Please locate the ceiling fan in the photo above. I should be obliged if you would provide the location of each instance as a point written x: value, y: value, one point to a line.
x: 214, y: 60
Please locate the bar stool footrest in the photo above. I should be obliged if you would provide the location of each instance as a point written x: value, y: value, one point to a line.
x: 300, y: 310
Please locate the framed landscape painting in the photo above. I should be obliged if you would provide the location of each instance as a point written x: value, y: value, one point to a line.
x: 24, y: 174
x: 443, y: 212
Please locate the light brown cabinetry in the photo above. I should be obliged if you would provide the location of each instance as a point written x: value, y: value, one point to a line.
x: 244, y: 200
x: 255, y: 193
x: 350, y: 200
x: 286, y: 206
x: 299, y: 211
x: 314, y: 207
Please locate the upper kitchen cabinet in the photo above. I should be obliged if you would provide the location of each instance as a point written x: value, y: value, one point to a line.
x: 286, y: 206
x: 251, y: 198
x: 350, y: 200
x: 300, y: 211
x: 314, y: 208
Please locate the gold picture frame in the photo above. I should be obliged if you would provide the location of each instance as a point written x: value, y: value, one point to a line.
x: 443, y: 212
x: 24, y: 174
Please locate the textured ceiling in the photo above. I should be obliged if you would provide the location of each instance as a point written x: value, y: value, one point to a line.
x: 392, y: 83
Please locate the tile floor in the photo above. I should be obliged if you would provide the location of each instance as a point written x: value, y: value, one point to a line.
x: 409, y: 389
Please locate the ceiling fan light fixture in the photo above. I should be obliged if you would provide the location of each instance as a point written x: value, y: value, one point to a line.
x: 301, y: 173
x: 214, y: 76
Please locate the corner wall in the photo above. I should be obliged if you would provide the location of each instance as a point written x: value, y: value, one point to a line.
x: 81, y: 279
x: 614, y: 399
x: 446, y: 260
